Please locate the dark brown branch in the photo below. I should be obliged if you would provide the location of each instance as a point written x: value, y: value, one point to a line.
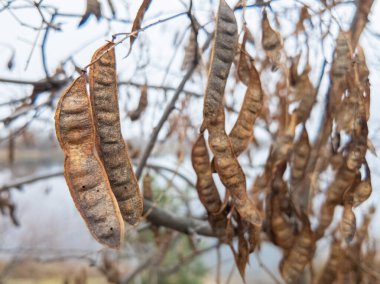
x: 158, y: 87
x: 165, y: 115
x: 156, y: 216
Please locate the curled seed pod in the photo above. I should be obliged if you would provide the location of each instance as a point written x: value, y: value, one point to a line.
x: 348, y: 222
x: 143, y: 103
x: 207, y: 191
x: 109, y: 140
x: 342, y: 59
x: 226, y: 164
x: 242, y: 132
x: 302, y: 251
x: 329, y: 272
x: 300, y: 157
x: 84, y: 173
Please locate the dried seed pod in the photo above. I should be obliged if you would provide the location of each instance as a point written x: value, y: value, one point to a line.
x: 342, y: 182
x: 300, y: 158
x: 271, y: 41
x: 325, y: 218
x: 242, y: 255
x: 302, y: 251
x: 242, y: 132
x: 84, y: 173
x: 143, y: 103
x: 110, y: 144
x: 342, y: 58
x: 362, y: 192
x: 329, y: 272
x: 207, y: 191
x: 282, y: 229
x: 226, y: 164
x: 348, y: 222
x: 222, y: 55
x: 245, y: 61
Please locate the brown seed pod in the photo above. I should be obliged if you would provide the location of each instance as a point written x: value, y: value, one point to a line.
x: 329, y: 272
x: 283, y: 232
x: 226, y: 164
x: 143, y: 103
x: 207, y: 191
x: 362, y: 192
x: 271, y: 41
x: 342, y: 58
x: 302, y: 251
x: 222, y: 55
x: 244, y: 61
x: 242, y: 132
x: 300, y: 158
x: 325, y: 218
x: 85, y: 176
x: 110, y: 144
x: 348, y: 222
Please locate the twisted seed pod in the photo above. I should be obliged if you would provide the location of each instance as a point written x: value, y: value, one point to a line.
x: 300, y: 158
x: 242, y: 132
x: 84, y: 173
x: 302, y: 251
x: 226, y: 164
x: 109, y: 140
x: 207, y: 191
x: 348, y: 222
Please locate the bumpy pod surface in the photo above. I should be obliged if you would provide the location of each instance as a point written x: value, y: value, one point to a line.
x: 242, y: 131
x: 84, y: 173
x: 110, y: 144
x: 226, y: 164
x: 299, y: 256
x: 300, y: 157
x: 207, y: 191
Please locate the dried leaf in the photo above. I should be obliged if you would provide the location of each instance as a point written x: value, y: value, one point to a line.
x: 92, y: 8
